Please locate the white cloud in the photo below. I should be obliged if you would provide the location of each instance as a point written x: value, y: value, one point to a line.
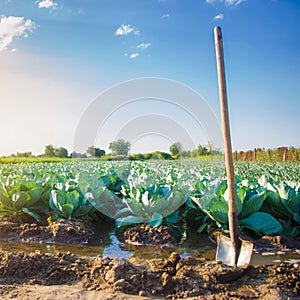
x: 226, y: 2
x: 13, y: 27
x: 126, y: 29
x: 47, y: 4
x: 234, y: 2
x: 165, y: 16
x: 13, y: 50
x: 218, y: 17
x: 143, y: 46
x: 134, y: 55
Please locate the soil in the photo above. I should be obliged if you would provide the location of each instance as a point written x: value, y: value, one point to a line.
x: 62, y: 231
x: 115, y: 278
x: 277, y: 243
x: 64, y: 276
x: 145, y: 235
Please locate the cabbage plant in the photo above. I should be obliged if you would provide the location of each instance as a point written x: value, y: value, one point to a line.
x: 213, y: 201
x: 152, y: 204
x: 23, y: 198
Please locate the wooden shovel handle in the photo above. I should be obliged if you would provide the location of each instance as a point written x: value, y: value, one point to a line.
x: 232, y: 214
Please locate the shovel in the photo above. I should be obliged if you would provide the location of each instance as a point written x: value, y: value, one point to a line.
x: 232, y: 251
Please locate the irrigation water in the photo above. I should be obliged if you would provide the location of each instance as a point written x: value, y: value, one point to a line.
x: 106, y: 243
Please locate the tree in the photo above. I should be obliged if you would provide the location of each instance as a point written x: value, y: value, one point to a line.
x: 61, y: 152
x: 176, y: 149
x: 91, y: 150
x: 202, y: 150
x: 210, y: 148
x: 24, y: 154
x: 186, y: 154
x: 99, y: 152
x: 49, y: 151
x: 95, y: 152
x: 119, y: 147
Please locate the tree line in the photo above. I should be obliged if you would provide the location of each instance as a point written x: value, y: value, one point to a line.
x: 120, y: 148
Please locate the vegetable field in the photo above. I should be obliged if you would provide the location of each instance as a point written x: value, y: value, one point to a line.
x: 179, y: 194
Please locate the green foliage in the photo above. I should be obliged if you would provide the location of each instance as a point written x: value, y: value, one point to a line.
x: 273, y: 171
x: 102, y: 190
x: 22, y: 154
x: 69, y: 204
x: 119, y: 147
x: 176, y: 149
x: 262, y: 224
x: 61, y: 152
x: 202, y: 150
x: 51, y: 151
x: 95, y: 152
x: 283, y: 202
x: 32, y: 160
x: 26, y: 198
x: 157, y: 155
x: 149, y: 204
x: 263, y: 206
x: 137, y: 156
x: 158, y: 192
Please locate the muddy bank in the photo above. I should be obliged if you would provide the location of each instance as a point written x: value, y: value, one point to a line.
x: 277, y: 243
x: 172, y: 277
x: 62, y: 231
x: 81, y: 231
x: 145, y: 235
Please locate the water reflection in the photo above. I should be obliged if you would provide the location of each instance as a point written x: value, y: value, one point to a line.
x: 115, y: 248
x: 76, y: 249
x: 274, y: 257
x: 107, y: 243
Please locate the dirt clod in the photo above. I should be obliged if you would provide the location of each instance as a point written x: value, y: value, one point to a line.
x: 146, y: 235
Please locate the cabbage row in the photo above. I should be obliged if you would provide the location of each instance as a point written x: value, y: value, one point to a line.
x: 180, y: 194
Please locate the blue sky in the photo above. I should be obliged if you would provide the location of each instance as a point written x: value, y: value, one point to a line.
x: 57, y: 56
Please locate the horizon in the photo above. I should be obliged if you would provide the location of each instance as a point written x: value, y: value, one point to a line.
x: 133, y: 153
x: 58, y: 58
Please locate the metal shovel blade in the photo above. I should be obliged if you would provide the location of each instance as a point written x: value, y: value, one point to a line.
x: 226, y: 250
x: 245, y: 253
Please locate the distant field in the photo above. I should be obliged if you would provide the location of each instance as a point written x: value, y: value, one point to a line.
x: 16, y: 160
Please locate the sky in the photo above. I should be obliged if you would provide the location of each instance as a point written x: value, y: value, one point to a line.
x: 62, y: 61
